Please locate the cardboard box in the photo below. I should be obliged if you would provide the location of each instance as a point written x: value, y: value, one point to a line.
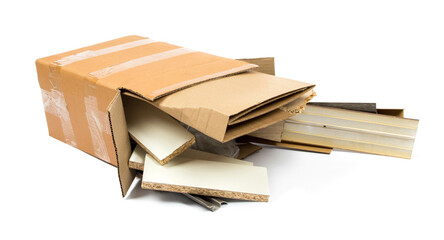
x: 81, y: 91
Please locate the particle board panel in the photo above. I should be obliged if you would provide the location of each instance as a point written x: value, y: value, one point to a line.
x: 155, y: 131
x: 209, y: 178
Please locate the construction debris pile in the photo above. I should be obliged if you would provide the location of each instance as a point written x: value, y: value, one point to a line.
x: 185, y: 120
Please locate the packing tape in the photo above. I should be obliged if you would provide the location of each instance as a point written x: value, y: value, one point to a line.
x: 55, y: 104
x: 94, y: 53
x: 98, y: 124
x: 105, y: 72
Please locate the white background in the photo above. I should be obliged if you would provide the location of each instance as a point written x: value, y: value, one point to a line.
x: 388, y: 52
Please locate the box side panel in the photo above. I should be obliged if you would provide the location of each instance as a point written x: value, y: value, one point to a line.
x: 76, y: 111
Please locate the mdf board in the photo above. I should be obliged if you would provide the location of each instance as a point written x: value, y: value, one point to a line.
x: 352, y: 130
x: 209, y: 178
x: 155, y: 131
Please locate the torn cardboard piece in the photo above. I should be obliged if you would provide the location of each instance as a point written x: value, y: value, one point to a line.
x: 157, y: 133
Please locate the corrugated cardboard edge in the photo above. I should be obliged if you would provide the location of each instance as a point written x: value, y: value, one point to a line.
x: 122, y: 146
x: 205, y: 191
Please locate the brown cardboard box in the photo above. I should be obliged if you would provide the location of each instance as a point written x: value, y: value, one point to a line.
x: 81, y: 91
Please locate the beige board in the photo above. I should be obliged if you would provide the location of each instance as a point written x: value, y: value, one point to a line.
x: 137, y: 159
x: 352, y: 130
x: 207, y: 177
x: 288, y: 145
x: 160, y: 135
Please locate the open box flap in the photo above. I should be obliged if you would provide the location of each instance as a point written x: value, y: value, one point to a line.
x: 121, y: 141
x: 236, y: 94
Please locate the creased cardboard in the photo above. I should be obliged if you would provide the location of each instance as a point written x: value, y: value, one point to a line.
x: 228, y: 107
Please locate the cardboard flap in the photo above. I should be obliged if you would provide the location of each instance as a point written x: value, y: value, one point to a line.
x: 234, y: 94
x: 233, y: 97
x: 121, y: 141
